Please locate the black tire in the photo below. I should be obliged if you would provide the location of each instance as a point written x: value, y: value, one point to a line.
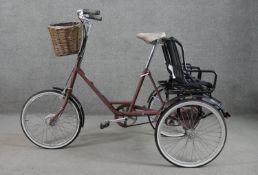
x: 29, y: 134
x: 152, y: 118
x: 153, y: 96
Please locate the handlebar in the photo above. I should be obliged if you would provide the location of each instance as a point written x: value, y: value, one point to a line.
x: 91, y: 11
x: 89, y: 14
x: 85, y: 15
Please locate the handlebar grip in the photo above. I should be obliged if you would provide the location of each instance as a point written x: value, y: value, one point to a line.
x: 91, y: 11
x: 94, y: 17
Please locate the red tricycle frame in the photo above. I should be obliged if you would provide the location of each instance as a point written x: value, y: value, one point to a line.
x: 133, y: 109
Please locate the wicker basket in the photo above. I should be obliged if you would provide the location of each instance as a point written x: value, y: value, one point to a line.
x: 66, y: 38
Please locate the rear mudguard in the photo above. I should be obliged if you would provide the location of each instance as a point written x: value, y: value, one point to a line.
x: 210, y: 100
x: 214, y: 102
x: 77, y: 103
x: 154, y: 93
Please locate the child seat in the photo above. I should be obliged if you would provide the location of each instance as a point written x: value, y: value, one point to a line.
x: 182, y: 79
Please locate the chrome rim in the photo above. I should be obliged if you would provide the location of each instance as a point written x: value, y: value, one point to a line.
x: 195, y: 137
x: 36, y: 116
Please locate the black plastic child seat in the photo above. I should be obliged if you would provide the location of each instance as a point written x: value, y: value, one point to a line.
x: 181, y: 77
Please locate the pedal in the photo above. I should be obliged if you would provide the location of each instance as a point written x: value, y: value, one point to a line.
x: 105, y: 124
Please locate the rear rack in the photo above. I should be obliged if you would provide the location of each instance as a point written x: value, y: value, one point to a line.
x: 173, y: 87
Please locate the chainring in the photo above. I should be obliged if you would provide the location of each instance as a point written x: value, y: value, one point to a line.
x: 131, y: 119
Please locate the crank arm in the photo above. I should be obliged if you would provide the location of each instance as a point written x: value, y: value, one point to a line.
x: 107, y: 122
x: 118, y: 120
x: 138, y: 124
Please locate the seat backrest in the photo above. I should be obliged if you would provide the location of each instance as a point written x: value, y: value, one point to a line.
x: 174, y: 58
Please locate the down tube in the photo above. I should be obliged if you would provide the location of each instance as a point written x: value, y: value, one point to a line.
x: 97, y: 92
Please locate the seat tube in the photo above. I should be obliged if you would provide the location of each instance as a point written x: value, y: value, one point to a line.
x: 151, y: 55
x: 142, y: 77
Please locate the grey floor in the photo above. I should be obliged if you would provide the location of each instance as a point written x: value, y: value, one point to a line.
x: 121, y: 151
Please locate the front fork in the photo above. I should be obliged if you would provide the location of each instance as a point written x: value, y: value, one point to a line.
x: 67, y: 92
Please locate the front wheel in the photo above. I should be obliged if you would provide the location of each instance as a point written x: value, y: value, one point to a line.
x: 190, y: 133
x: 36, y: 115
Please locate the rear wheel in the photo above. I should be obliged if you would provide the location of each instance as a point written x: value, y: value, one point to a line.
x: 37, y: 113
x: 190, y: 133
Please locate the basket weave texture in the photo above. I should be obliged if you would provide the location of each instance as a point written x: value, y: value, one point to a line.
x: 66, y: 38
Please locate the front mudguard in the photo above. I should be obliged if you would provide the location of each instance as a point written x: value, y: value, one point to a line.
x: 77, y: 103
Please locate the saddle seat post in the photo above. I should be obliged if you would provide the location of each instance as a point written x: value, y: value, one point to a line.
x: 151, y: 55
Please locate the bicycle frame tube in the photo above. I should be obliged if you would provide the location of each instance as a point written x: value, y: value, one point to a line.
x: 97, y: 92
